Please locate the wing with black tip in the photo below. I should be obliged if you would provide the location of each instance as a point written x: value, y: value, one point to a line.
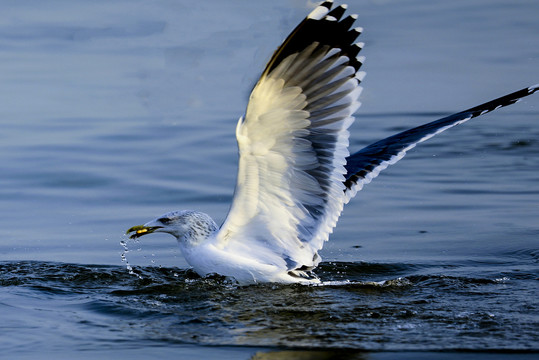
x: 366, y: 164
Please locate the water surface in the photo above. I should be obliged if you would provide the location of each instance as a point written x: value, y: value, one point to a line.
x: 114, y: 113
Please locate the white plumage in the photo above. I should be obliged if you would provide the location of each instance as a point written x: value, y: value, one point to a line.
x: 295, y: 173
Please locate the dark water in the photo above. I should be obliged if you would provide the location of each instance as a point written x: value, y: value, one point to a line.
x: 115, y: 112
x: 370, y: 306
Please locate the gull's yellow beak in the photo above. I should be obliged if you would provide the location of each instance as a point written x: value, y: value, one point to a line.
x: 139, y: 230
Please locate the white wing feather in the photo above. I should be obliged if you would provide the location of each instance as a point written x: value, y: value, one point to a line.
x: 293, y: 144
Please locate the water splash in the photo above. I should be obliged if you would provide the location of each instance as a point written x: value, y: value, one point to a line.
x: 123, y: 255
x: 407, y: 311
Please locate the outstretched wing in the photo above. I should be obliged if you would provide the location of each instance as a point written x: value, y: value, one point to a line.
x: 366, y: 164
x: 293, y: 143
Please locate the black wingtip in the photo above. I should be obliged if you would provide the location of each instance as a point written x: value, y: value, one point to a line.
x: 327, y: 4
x: 348, y: 21
x: 502, y: 101
x: 363, y: 163
x: 327, y: 27
x: 338, y: 12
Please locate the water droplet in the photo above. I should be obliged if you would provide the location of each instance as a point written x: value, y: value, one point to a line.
x: 123, y: 256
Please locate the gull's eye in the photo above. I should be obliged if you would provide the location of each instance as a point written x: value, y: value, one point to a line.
x: 165, y: 221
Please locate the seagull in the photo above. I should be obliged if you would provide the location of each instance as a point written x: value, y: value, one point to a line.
x: 295, y: 172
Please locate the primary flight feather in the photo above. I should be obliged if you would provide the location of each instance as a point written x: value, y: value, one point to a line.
x: 295, y: 172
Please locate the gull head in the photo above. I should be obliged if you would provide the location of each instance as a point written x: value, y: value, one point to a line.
x: 187, y: 226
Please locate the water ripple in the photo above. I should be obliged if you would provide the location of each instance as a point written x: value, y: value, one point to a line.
x: 358, y: 305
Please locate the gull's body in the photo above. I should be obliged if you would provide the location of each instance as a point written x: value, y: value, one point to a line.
x: 295, y: 172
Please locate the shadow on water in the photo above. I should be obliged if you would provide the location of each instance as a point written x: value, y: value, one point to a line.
x: 363, y: 306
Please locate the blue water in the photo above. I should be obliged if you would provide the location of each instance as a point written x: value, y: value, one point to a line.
x: 115, y: 112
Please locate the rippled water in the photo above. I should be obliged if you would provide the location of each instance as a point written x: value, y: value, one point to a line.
x: 115, y: 112
x: 393, y: 306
